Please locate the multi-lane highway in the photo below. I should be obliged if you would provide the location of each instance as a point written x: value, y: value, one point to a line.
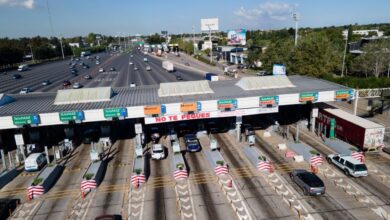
x: 122, y: 76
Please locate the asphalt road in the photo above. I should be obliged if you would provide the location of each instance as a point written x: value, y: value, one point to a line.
x: 123, y: 75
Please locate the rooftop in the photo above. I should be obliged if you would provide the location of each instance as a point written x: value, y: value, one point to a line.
x: 36, y: 103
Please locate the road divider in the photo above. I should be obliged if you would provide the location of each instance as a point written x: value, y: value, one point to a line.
x: 44, y: 181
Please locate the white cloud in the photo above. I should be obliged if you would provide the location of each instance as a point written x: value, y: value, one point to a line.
x: 266, y: 11
x: 29, y: 4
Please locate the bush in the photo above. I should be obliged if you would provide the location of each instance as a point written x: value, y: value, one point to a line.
x: 88, y: 176
x: 262, y: 158
x: 138, y: 171
x: 314, y: 152
x: 200, y: 58
x: 180, y: 166
x: 37, y: 181
x: 220, y: 162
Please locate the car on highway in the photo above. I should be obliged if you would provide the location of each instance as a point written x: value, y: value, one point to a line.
x: 16, y: 76
x: 23, y: 67
x: 66, y: 83
x: 73, y: 66
x: 46, y: 82
x: 101, y: 70
x: 81, y: 64
x: 25, y: 90
x: 178, y: 77
x: 145, y: 59
x: 131, y: 63
x: 386, y: 150
x: 192, y: 143
x: 349, y: 165
x: 85, y: 66
x: 35, y: 162
x: 112, y: 69
x: 97, y: 62
x: 132, y: 84
x: 187, y: 64
x: 148, y: 68
x: 77, y: 85
x: 158, y: 152
x: 131, y: 55
x: 87, y: 77
x: 135, y: 68
x: 73, y: 71
x: 309, y: 182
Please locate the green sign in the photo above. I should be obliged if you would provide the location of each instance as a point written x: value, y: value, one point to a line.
x: 115, y: 112
x: 332, y: 128
x: 227, y: 103
x: 71, y: 116
x: 266, y: 101
x: 26, y: 119
x: 308, y: 97
x: 344, y: 95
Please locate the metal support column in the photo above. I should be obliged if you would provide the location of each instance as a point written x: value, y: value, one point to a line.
x: 356, y: 102
x: 3, y: 159
x: 47, y: 155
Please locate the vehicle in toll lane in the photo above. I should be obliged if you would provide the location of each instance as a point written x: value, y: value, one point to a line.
x: 192, y: 143
x: 77, y: 85
x: 35, y: 162
x: 158, y: 152
x: 87, y: 77
x: 348, y: 164
x: 309, y: 182
x: 25, y: 90
x: 148, y: 68
x: 90, y: 135
x: 16, y: 76
x: 46, y: 82
x: 154, y: 134
x: 101, y: 70
x: 248, y: 130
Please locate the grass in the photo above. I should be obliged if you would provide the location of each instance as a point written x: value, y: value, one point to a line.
x: 200, y: 58
x: 37, y: 181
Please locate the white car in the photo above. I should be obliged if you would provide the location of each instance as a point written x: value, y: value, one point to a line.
x: 131, y: 63
x: 349, y: 165
x: 97, y: 62
x: 25, y: 91
x: 77, y: 86
x: 101, y: 70
x: 148, y: 68
x: 158, y: 152
x: 132, y: 85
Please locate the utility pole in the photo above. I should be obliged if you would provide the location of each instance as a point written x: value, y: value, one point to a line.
x: 296, y: 18
x: 62, y: 49
x: 345, y: 52
x: 193, y: 38
x: 33, y: 59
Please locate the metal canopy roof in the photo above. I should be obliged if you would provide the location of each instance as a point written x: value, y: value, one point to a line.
x: 184, y: 88
x: 85, y: 95
x: 4, y: 99
x: 264, y: 82
x: 36, y: 103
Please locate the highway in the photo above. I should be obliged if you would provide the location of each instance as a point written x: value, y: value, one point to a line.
x: 123, y: 75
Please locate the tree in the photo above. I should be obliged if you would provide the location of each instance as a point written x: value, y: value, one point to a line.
x: 155, y: 39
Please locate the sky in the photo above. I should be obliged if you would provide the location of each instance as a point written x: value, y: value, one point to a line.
x: 26, y: 18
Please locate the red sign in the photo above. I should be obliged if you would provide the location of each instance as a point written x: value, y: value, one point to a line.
x: 171, y: 118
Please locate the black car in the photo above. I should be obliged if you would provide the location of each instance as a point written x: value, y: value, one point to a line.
x: 112, y: 69
x: 87, y: 77
x: 178, y: 77
x: 85, y: 67
x: 66, y: 83
x: 16, y: 76
x: 309, y: 182
x: 74, y: 71
x: 7, y: 206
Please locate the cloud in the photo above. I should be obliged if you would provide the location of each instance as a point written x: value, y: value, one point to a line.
x: 266, y: 11
x: 29, y: 4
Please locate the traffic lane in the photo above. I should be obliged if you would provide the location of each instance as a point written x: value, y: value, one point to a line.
x: 17, y: 188
x: 208, y: 198
x: 159, y: 192
x: 35, y: 76
x: 146, y: 76
x: 57, y: 203
x: 261, y: 198
x: 111, y: 193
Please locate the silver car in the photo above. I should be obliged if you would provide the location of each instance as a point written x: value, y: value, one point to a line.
x: 309, y: 182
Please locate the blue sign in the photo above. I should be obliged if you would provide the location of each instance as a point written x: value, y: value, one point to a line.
x: 35, y: 119
x: 163, y: 109
x: 198, y: 106
x: 80, y: 115
x: 123, y: 112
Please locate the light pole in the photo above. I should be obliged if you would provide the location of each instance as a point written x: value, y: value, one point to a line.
x: 32, y: 54
x: 62, y: 48
x: 345, y: 51
x: 296, y: 18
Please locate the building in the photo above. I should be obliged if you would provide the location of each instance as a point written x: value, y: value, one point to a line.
x: 365, y: 32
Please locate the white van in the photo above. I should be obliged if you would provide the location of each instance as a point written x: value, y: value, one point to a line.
x: 34, y: 162
x: 23, y: 67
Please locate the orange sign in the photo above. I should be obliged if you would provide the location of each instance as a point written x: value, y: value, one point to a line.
x: 152, y: 110
x: 188, y: 107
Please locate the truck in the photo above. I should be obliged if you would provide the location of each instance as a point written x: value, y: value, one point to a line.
x: 23, y: 67
x: 364, y: 134
x: 168, y: 66
x: 211, y: 76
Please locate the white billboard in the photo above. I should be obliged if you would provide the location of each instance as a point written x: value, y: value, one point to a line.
x: 279, y: 69
x: 209, y: 24
x: 237, y: 37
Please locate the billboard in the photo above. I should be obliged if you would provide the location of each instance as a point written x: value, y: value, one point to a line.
x: 279, y: 69
x: 209, y: 24
x: 236, y: 37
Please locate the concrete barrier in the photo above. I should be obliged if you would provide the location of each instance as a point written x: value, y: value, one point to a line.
x: 7, y: 176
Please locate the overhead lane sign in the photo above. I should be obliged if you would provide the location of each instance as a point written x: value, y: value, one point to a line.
x: 191, y: 107
x: 115, y: 112
x: 26, y: 120
x: 308, y: 96
x: 72, y: 116
x: 227, y: 104
x: 344, y: 95
x: 155, y: 110
x: 268, y: 101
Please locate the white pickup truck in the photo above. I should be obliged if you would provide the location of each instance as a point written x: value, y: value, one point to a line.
x: 348, y: 164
